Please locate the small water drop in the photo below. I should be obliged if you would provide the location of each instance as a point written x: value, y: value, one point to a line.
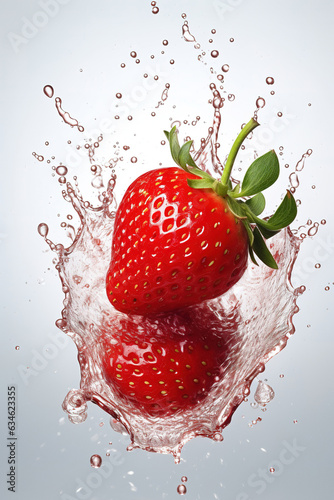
x: 184, y: 479
x: 214, y: 53
x: 317, y: 266
x: 271, y: 469
x: 270, y: 80
x: 119, y: 95
x: 133, y: 159
x: 172, y: 61
x: 260, y: 102
x: 48, y: 91
x: 133, y: 54
x: 231, y: 40
x: 43, y: 229
x: 225, y: 68
x: 17, y: 347
x: 155, y: 10
x: 181, y: 489
x: 264, y: 393
x: 61, y: 170
x: 123, y: 65
x: 165, y: 42
x: 279, y: 114
x: 95, y: 461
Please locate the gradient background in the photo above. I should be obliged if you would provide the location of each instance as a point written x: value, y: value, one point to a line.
x: 291, y: 41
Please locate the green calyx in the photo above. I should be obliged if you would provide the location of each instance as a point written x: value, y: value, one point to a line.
x: 245, y: 200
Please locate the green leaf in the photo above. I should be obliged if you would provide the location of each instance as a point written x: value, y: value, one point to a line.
x: 261, y: 250
x: 200, y: 183
x: 249, y: 232
x: 174, y: 145
x: 283, y: 216
x: 262, y: 173
x: 256, y: 204
x: 266, y: 233
x: 236, y: 208
x: 184, y: 157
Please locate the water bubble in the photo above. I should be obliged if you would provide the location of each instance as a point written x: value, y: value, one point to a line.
x: 317, y: 266
x: 95, y: 461
x: 183, y: 15
x: 184, y: 479
x: 323, y: 221
x: 210, y: 41
x: 46, y: 143
x: 133, y: 159
x: 213, y: 31
x: 327, y: 288
x: 281, y: 375
x: 225, y: 68
x: 61, y: 170
x: 119, y: 95
x: 129, y: 117
x: 260, y: 102
x: 181, y: 489
x: 48, y: 91
x: 279, y: 114
x: 231, y: 97
x: 43, y: 229
x: 270, y: 80
x: 155, y: 10
x: 271, y: 469
x: 156, y: 77
x: 165, y: 42
x: 123, y: 65
x: 133, y: 54
x: 272, y: 92
x: 126, y: 148
x: 231, y: 40
x: 172, y: 61
x: 214, y: 53
x: 17, y: 347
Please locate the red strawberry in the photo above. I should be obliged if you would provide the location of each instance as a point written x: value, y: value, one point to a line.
x: 182, y: 237
x: 173, y: 246
x: 172, y: 366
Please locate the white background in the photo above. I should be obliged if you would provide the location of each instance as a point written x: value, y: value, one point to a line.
x: 291, y: 41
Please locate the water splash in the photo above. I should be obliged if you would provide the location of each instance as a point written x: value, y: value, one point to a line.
x: 254, y: 318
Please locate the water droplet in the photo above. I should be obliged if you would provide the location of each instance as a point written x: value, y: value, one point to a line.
x: 184, y: 479
x: 186, y: 33
x: 272, y: 92
x: 134, y: 159
x: 231, y: 40
x: 279, y: 114
x: 46, y: 143
x: 270, y: 80
x: 181, y: 489
x: 183, y: 15
x: 119, y: 95
x: 123, y: 65
x: 61, y: 170
x: 172, y: 61
x: 165, y: 42
x: 155, y: 10
x: 323, y: 221
x: 129, y: 117
x: 317, y: 266
x: 43, y: 229
x: 48, y: 91
x: 260, y: 102
x: 133, y: 54
x: 327, y: 288
x: 62, y: 180
x: 264, y: 393
x: 17, y: 347
x: 214, y: 53
x: 95, y: 461
x: 213, y: 31
x: 231, y: 97
x: 281, y: 375
x: 295, y: 421
x: 271, y: 469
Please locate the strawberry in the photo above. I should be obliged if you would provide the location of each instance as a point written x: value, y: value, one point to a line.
x: 169, y: 365
x: 181, y: 237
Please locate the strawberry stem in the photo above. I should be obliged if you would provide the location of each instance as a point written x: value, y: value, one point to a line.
x: 251, y: 125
